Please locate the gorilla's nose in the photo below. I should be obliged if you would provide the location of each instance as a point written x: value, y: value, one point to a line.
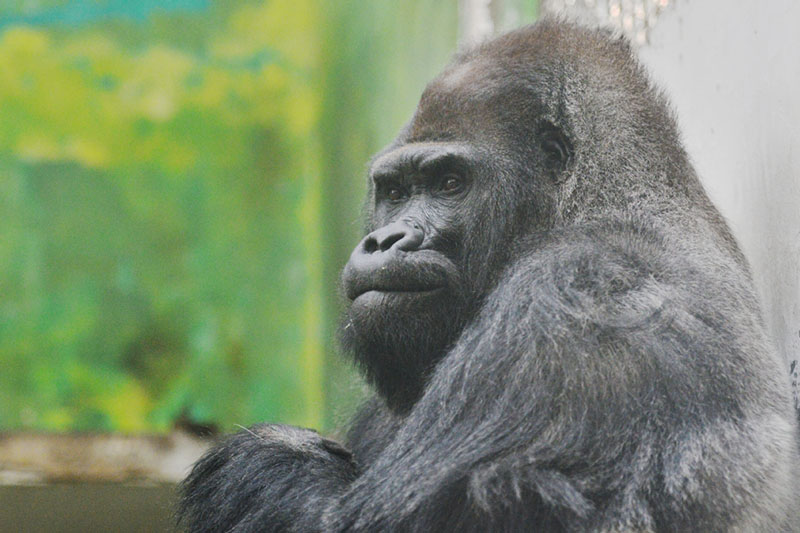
x: 402, y: 235
x: 383, y: 261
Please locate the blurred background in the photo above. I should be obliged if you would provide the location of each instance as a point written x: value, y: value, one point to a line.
x: 181, y: 182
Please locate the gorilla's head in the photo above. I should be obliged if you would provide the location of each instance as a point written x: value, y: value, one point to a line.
x: 512, y: 140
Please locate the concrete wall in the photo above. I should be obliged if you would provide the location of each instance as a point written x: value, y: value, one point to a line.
x: 732, y: 70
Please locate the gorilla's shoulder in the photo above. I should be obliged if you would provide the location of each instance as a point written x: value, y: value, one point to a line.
x: 620, y: 274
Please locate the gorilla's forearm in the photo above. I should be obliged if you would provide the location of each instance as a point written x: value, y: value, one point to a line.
x: 547, y: 442
x: 265, y: 478
x: 551, y: 439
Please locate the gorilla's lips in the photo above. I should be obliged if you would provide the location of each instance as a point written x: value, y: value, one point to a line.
x: 415, y: 272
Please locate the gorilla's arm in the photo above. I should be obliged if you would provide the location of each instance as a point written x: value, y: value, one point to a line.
x: 267, y: 478
x: 577, y: 391
x: 272, y: 477
x: 575, y: 395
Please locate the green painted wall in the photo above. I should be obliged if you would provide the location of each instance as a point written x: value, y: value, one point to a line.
x: 180, y: 184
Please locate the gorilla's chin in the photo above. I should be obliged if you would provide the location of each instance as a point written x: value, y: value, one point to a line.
x: 397, y: 337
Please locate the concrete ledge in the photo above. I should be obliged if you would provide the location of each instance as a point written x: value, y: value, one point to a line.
x: 32, y: 458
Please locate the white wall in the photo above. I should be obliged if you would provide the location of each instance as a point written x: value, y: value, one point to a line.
x: 732, y: 70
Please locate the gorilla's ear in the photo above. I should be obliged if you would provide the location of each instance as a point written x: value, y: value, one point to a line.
x: 556, y: 147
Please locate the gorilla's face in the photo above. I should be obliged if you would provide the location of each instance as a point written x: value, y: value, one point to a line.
x: 448, y: 199
x: 408, y: 279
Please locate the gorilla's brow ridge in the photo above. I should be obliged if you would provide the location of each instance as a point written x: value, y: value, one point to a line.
x: 421, y: 157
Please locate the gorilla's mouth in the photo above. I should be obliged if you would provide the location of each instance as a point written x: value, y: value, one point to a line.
x: 398, y: 291
x: 398, y: 274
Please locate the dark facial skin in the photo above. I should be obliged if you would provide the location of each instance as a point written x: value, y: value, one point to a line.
x: 406, y: 277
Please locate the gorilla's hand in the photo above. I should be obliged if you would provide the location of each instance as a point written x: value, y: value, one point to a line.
x: 269, y: 476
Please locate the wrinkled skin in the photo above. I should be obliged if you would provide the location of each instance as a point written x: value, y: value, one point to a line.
x: 561, y: 331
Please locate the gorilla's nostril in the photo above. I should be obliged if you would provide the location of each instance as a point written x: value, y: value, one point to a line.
x: 370, y: 245
x: 397, y: 235
x: 391, y: 240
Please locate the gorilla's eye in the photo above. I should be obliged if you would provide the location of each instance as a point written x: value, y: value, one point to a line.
x: 394, y: 194
x: 451, y: 183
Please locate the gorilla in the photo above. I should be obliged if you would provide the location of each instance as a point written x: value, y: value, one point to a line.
x: 561, y: 331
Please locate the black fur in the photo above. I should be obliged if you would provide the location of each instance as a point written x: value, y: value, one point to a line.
x: 563, y: 334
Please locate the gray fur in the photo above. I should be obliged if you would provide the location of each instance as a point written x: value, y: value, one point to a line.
x: 570, y: 341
